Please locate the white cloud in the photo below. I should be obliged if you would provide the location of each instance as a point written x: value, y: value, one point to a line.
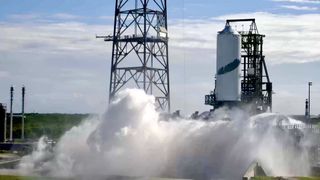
x: 55, y: 61
x: 300, y: 8
x: 290, y: 99
x: 106, y: 17
x: 43, y: 18
x: 299, y: 1
x: 50, y: 38
x: 23, y: 16
x: 65, y: 16
x: 65, y: 67
x: 286, y: 40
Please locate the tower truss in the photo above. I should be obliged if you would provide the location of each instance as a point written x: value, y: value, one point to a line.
x: 256, y: 87
x: 140, y: 49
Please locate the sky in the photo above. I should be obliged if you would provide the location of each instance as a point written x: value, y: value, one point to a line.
x: 50, y: 47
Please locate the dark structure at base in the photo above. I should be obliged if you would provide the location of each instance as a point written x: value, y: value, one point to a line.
x: 2, y: 122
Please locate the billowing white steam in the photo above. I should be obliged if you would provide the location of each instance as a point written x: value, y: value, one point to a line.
x: 131, y: 139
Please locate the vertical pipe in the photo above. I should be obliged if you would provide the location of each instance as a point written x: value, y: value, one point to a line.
x: 5, y: 125
x: 150, y: 84
x: 136, y: 16
x: 309, y: 110
x: 22, y: 113
x: 167, y: 55
x: 112, y: 86
x: 145, y: 3
x: 11, y: 114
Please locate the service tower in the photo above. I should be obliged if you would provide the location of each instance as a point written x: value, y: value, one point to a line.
x: 140, y: 49
x: 242, y: 77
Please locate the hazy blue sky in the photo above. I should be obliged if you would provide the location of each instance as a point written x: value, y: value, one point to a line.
x: 50, y: 46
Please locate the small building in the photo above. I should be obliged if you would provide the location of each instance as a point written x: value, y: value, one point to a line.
x: 254, y: 170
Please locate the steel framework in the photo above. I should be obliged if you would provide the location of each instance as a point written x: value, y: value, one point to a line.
x: 140, y: 49
x: 256, y: 87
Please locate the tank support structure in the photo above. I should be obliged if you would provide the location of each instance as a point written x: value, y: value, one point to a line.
x: 256, y: 87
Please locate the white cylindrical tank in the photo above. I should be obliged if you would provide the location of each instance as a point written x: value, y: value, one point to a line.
x: 228, y: 85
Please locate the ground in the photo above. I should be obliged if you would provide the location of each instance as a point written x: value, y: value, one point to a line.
x: 26, y: 178
x: 4, y: 177
x: 282, y: 178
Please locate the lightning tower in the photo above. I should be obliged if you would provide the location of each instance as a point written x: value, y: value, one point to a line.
x: 140, y: 49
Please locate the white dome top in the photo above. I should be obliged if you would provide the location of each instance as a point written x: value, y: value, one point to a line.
x: 228, y: 30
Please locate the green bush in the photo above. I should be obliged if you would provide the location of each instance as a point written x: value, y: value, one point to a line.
x: 51, y: 125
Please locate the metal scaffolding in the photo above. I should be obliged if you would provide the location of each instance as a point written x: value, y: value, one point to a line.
x: 140, y: 49
x: 256, y: 87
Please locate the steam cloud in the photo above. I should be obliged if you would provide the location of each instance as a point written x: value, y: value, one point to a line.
x: 131, y: 139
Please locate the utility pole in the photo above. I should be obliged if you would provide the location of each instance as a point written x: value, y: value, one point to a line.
x: 5, y: 125
x: 22, y: 112
x: 307, y: 109
x: 309, y: 99
x: 11, y: 113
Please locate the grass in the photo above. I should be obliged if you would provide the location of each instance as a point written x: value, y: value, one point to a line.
x: 280, y: 178
x: 264, y: 178
x: 5, y: 177
x: 10, y: 177
x: 51, y: 125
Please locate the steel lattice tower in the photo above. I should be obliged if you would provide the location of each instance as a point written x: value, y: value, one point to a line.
x: 140, y: 49
x: 256, y: 86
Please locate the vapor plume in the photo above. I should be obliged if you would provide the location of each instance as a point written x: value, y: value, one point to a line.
x: 132, y: 139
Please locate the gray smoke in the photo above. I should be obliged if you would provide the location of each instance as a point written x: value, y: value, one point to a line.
x: 131, y: 139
